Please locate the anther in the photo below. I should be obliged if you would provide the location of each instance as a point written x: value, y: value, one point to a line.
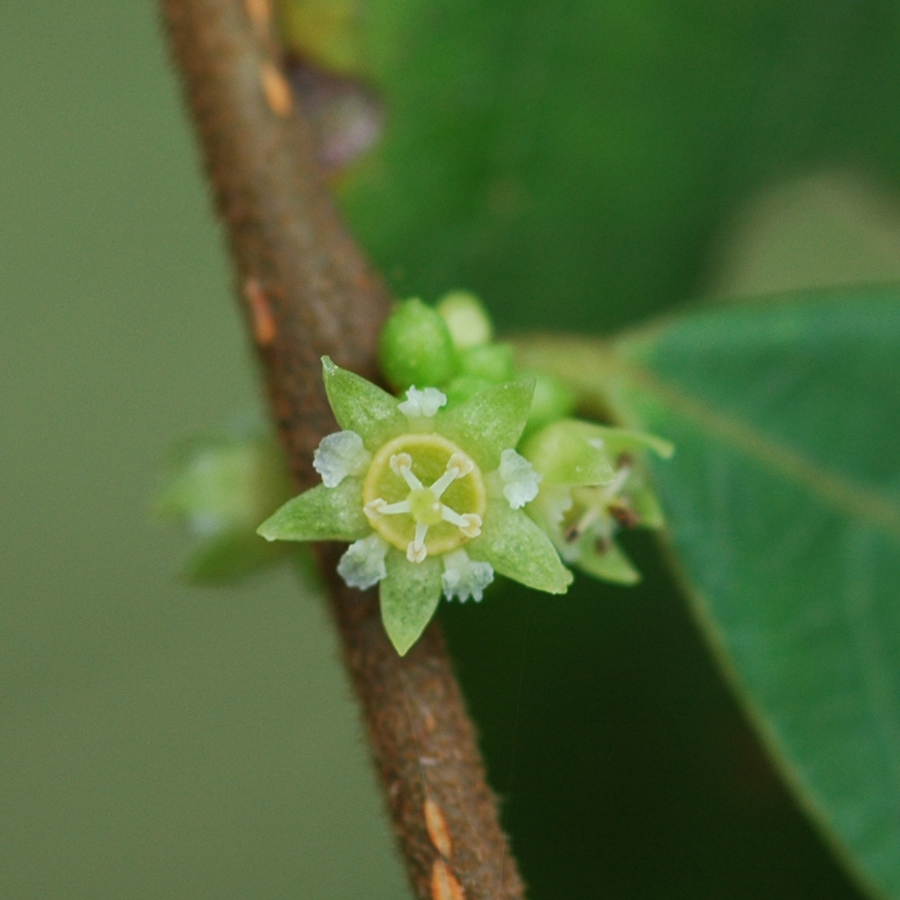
x: 468, y: 523
x: 461, y: 463
x: 472, y: 526
x: 399, y: 462
x: 623, y: 513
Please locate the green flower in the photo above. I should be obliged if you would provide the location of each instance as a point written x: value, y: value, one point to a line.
x: 593, y: 485
x: 219, y: 487
x: 431, y: 499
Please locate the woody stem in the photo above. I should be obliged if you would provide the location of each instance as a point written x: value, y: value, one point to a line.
x: 307, y: 291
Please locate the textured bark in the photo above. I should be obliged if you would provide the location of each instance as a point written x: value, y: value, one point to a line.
x: 307, y: 291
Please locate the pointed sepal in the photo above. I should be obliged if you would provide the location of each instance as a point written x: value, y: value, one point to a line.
x: 320, y: 514
x: 409, y: 597
x: 361, y: 406
x: 607, y: 562
x: 490, y: 422
x: 517, y: 548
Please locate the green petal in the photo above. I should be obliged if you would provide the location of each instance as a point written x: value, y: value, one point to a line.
x: 563, y: 454
x: 409, y: 597
x: 518, y: 549
x: 490, y: 422
x: 362, y: 407
x: 320, y: 514
x: 610, y: 565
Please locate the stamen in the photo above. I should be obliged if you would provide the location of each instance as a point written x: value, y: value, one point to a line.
x: 400, y: 461
x: 395, y: 509
x: 401, y: 464
x: 468, y: 523
x: 610, y: 490
x: 472, y: 528
x: 623, y: 513
x: 577, y: 529
x: 458, y: 466
x: 417, y: 551
x: 445, y: 481
x: 462, y: 462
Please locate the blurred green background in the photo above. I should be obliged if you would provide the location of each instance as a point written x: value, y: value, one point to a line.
x: 581, y: 165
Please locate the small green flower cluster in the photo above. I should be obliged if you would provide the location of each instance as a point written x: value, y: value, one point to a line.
x: 219, y: 487
x: 475, y: 469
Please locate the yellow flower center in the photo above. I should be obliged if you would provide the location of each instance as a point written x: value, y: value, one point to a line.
x: 424, y: 495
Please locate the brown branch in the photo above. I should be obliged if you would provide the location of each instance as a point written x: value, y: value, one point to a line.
x: 307, y: 291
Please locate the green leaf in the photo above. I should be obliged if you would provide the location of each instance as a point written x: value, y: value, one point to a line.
x: 587, y: 208
x: 490, y: 422
x: 409, y: 597
x: 320, y: 514
x: 361, y: 406
x: 784, y: 506
x: 518, y: 549
x: 220, y: 484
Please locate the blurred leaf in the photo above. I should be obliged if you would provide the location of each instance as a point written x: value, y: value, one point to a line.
x: 229, y: 557
x: 784, y: 504
x: 579, y: 157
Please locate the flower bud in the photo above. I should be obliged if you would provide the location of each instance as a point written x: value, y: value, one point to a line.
x: 467, y: 319
x: 492, y: 362
x: 416, y: 347
x: 552, y: 400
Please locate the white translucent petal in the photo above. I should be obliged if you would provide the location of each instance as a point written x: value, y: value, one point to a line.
x: 362, y: 566
x: 425, y: 402
x: 520, y: 481
x: 339, y: 455
x: 464, y: 577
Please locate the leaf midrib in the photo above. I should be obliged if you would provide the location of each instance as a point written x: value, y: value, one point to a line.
x: 835, y: 490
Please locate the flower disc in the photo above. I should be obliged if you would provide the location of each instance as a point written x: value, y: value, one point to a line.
x: 430, y: 455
